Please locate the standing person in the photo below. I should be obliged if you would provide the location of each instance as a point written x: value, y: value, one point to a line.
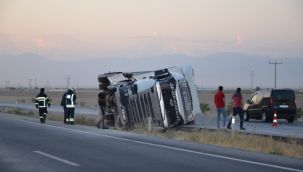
x: 102, y: 104
x: 219, y: 100
x: 63, y: 104
x: 70, y: 104
x: 237, y: 101
x: 42, y: 101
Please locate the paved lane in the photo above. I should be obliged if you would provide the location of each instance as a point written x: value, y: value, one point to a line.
x: 26, y: 145
x: 284, y: 129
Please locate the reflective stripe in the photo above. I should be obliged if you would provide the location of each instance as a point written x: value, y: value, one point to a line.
x: 41, y: 100
x: 72, y: 104
x: 41, y: 117
x: 71, y: 119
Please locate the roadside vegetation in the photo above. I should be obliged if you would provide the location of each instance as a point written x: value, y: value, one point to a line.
x: 299, y: 112
x: 266, y: 144
x: 204, y: 107
x: 285, y: 147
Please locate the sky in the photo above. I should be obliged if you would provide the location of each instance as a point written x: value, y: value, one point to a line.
x: 94, y: 29
x: 75, y: 29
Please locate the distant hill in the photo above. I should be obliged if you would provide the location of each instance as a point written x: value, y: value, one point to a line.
x: 227, y: 69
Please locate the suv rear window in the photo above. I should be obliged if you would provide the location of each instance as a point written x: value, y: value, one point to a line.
x: 283, y: 95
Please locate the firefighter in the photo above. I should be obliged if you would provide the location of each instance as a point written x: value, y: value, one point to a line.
x: 42, y: 101
x: 63, y: 104
x: 102, y: 104
x: 70, y: 104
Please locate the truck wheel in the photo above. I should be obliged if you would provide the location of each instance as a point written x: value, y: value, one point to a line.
x: 290, y: 120
x: 265, y: 118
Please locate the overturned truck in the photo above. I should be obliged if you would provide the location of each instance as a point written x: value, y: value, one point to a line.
x: 168, y: 97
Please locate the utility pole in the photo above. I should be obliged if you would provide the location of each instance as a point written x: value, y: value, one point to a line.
x: 35, y: 80
x: 275, y: 63
x: 252, y: 74
x: 30, y: 83
x: 68, y: 78
x: 7, y: 84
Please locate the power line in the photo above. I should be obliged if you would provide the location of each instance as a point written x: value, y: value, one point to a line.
x: 275, y: 63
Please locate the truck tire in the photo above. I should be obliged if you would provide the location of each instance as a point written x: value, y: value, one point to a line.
x: 290, y: 120
x: 265, y: 117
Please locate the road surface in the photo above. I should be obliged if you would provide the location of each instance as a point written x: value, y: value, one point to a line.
x: 28, y: 146
x: 284, y: 128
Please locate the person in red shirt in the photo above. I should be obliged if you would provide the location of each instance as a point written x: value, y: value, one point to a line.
x: 237, y: 100
x: 220, y: 105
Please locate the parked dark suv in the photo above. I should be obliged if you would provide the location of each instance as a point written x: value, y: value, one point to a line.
x: 262, y: 105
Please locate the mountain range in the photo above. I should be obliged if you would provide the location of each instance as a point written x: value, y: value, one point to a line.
x: 230, y: 69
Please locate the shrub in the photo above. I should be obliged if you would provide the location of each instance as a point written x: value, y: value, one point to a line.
x: 204, y: 107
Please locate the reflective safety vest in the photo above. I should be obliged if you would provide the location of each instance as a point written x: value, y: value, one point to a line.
x: 41, y: 102
x: 69, y: 99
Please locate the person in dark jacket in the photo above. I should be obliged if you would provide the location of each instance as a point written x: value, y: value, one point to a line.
x: 102, y: 104
x: 63, y: 104
x: 42, y: 101
x: 70, y: 104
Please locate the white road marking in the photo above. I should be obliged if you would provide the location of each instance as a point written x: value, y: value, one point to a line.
x: 180, y: 149
x: 57, y: 158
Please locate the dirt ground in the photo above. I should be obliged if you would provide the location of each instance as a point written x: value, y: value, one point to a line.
x: 88, y: 98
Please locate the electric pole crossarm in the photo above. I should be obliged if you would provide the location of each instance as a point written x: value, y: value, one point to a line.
x: 275, y: 63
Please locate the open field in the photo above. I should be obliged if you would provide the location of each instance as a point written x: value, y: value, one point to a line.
x: 88, y: 98
x: 85, y: 98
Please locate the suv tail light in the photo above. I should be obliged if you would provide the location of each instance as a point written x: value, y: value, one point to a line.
x: 270, y: 102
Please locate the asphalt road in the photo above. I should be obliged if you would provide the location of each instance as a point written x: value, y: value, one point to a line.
x: 284, y: 128
x: 28, y: 146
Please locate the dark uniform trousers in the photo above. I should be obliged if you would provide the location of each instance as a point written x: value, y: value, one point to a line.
x: 42, y: 113
x: 70, y: 115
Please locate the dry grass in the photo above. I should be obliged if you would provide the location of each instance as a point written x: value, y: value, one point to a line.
x: 251, y: 142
